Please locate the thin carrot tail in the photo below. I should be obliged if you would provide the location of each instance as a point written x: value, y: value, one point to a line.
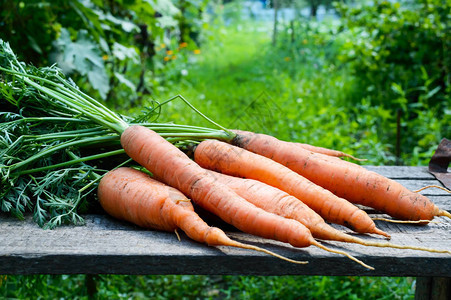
x: 432, y: 186
x: 381, y: 232
x: 390, y: 245
x: 353, y: 157
x: 327, y: 151
x: 317, y: 244
x: 236, y: 244
x: 444, y: 213
x: 346, y: 238
x: 356, y: 240
x: 404, y: 221
x: 177, y: 234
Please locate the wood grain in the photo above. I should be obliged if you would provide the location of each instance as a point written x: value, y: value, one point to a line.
x: 105, y: 245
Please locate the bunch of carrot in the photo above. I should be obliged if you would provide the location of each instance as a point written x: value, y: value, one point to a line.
x: 273, y: 202
x: 276, y: 190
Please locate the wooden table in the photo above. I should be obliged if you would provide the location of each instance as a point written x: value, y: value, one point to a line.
x: 107, y: 246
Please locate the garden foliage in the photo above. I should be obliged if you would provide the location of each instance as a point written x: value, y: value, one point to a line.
x: 399, y: 55
x: 119, y: 50
x: 394, y: 57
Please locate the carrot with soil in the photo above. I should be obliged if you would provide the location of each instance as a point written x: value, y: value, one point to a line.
x: 343, y: 178
x: 232, y: 160
x: 325, y: 151
x: 131, y: 195
x: 315, y: 149
x: 278, y: 202
x: 170, y: 165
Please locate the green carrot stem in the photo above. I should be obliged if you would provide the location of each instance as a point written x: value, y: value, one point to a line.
x: 65, y: 89
x: 98, y: 177
x: 174, y: 125
x: 44, y: 119
x: 61, y: 146
x: 68, y: 134
x: 196, y: 135
x: 72, y: 162
x: 116, y: 124
x: 94, y: 102
x: 196, y: 110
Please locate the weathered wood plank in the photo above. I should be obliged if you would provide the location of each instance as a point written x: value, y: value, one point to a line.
x: 106, y: 245
x: 402, y: 172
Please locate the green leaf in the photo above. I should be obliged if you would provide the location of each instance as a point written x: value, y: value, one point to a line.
x: 84, y: 57
x: 84, y: 53
x: 167, y: 22
x: 104, y: 45
x: 34, y: 44
x: 398, y: 89
x: 164, y: 7
x: 431, y: 93
x: 122, y: 52
x: 121, y: 78
x: 126, y: 25
x: 99, y: 81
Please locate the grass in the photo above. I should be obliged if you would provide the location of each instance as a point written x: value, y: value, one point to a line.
x: 206, y: 287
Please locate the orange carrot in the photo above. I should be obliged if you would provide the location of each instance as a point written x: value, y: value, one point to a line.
x: 131, y: 195
x: 278, y: 202
x: 326, y: 151
x: 344, y: 179
x: 316, y: 149
x: 170, y: 165
x: 231, y: 160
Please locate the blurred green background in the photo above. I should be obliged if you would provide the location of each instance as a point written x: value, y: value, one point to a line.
x: 370, y: 78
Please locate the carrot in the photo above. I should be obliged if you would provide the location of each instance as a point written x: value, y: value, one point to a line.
x: 278, y: 202
x: 132, y: 195
x: 275, y: 201
x: 345, y: 179
x: 170, y: 165
x: 231, y: 160
x: 316, y: 149
x: 326, y: 151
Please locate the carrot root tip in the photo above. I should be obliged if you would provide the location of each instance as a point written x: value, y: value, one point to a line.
x: 444, y: 213
x: 177, y: 234
x: 404, y: 221
x: 432, y: 186
x: 396, y: 246
x: 251, y: 247
x: 317, y: 244
x: 355, y: 158
x: 380, y: 232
